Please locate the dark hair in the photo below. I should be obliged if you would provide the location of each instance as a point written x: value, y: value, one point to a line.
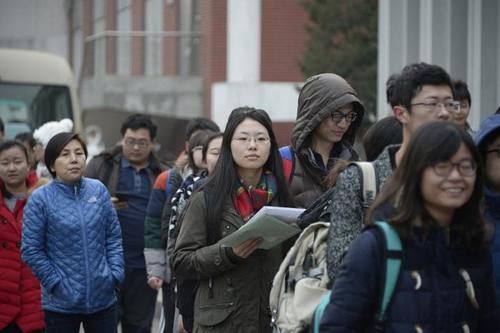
x: 198, y: 139
x: 14, y: 144
x: 497, y: 111
x: 2, y: 125
x: 431, y: 143
x: 411, y: 80
x: 389, y: 87
x: 56, y: 145
x: 387, y: 131
x: 198, y: 124
x: 138, y: 121
x: 211, y: 137
x: 461, y: 91
x: 26, y: 137
x: 225, y: 178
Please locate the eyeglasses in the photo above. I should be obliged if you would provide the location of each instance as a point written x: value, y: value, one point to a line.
x: 197, y: 148
x: 496, y: 150
x: 465, y: 167
x: 338, y: 116
x: 450, y: 106
x: 133, y: 142
x: 246, y: 140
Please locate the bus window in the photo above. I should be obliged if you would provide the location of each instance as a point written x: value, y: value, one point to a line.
x: 27, y: 106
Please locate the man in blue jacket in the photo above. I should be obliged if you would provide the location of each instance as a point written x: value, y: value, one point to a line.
x: 129, y: 172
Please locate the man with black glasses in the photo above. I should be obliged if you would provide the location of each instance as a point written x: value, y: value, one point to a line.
x: 420, y: 94
x: 329, y: 113
x: 129, y: 171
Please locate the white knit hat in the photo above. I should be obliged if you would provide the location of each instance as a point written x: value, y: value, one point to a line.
x: 44, y: 133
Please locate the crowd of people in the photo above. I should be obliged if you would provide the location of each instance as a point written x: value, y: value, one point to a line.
x: 92, y: 242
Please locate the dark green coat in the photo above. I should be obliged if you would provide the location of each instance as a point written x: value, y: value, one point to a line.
x: 233, y: 295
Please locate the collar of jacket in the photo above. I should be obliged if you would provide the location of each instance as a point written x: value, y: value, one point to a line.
x: 72, y: 189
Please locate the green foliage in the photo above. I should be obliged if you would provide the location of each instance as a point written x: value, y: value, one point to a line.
x: 343, y: 40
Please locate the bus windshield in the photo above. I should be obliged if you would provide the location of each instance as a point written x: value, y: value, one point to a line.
x: 25, y: 107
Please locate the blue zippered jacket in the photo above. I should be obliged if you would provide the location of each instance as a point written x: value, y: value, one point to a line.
x: 72, y: 241
x: 491, y: 126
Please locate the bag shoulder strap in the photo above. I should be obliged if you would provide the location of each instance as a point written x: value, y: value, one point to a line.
x: 288, y: 159
x: 392, y: 257
x: 369, y: 182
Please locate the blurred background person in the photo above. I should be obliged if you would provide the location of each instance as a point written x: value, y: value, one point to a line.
x: 20, y: 306
x: 488, y: 142
x: 193, y: 126
x: 42, y: 135
x: 462, y: 95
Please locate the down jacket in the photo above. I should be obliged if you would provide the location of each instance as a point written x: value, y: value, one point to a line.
x: 319, y: 97
x: 19, y: 289
x: 430, y: 294
x: 72, y: 242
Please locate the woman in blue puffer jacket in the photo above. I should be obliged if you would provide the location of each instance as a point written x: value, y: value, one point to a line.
x: 72, y: 242
x: 446, y: 279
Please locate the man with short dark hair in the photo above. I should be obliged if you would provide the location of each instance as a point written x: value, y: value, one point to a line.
x: 462, y: 95
x: 129, y: 172
x: 420, y: 94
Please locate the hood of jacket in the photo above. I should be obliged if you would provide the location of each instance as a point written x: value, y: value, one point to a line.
x: 320, y: 95
x: 489, y: 126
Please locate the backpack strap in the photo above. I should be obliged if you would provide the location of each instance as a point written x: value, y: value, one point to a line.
x: 168, y: 188
x: 320, y: 309
x: 288, y: 159
x: 393, y: 255
x: 369, y: 182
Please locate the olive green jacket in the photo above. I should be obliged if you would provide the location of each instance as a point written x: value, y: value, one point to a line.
x: 233, y: 295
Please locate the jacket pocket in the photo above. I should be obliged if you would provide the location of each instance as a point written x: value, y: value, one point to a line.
x: 214, y: 314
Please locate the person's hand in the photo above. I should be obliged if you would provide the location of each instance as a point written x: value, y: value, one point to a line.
x: 155, y: 282
x: 118, y: 204
x: 180, y: 325
x: 247, y: 247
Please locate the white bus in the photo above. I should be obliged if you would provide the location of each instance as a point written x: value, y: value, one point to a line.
x: 35, y: 87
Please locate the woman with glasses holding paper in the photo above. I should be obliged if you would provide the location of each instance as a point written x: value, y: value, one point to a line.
x: 445, y: 281
x: 234, y: 282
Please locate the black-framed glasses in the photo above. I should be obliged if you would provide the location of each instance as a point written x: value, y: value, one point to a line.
x: 450, y: 106
x: 496, y: 150
x: 338, y: 116
x: 466, y: 168
x: 132, y: 142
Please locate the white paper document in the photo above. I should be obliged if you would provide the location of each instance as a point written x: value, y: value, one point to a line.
x: 273, y: 225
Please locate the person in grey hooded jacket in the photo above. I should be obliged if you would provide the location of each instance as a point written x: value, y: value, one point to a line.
x: 328, y: 115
